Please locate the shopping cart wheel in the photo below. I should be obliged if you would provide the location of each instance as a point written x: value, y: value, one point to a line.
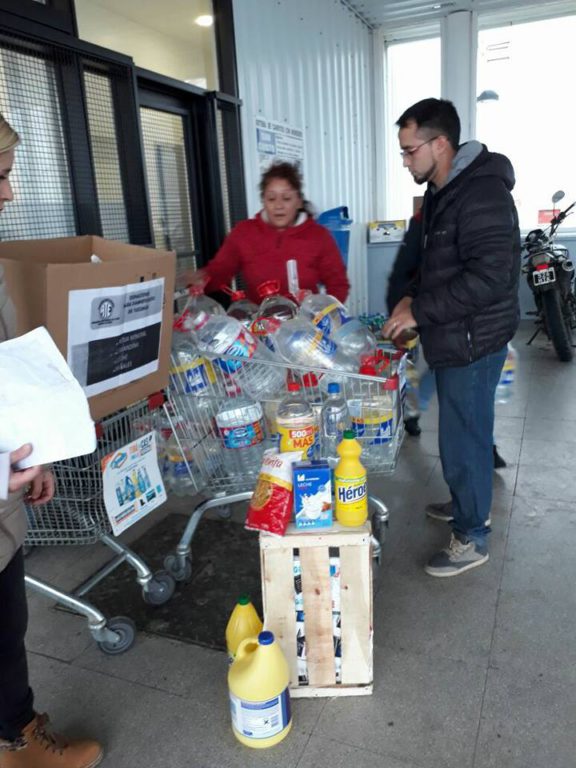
x: 178, y: 571
x: 126, y: 631
x: 159, y: 589
x: 225, y: 513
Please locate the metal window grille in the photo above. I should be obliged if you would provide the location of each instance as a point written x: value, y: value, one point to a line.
x: 104, y: 143
x: 231, y: 165
x: 168, y: 183
x: 223, y: 173
x: 30, y: 100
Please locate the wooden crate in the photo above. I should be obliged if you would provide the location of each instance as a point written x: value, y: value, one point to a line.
x: 278, y: 594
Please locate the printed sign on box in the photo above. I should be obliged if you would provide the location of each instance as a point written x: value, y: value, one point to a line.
x: 114, y: 334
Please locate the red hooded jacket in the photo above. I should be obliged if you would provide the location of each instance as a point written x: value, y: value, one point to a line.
x: 259, y: 252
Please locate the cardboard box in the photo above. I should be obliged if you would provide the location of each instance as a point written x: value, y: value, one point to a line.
x: 116, y: 340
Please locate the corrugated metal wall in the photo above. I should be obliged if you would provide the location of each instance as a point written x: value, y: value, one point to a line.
x: 309, y: 63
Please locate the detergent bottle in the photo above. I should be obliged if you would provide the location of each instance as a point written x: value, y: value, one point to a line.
x: 243, y: 622
x: 350, y: 485
x: 259, y: 696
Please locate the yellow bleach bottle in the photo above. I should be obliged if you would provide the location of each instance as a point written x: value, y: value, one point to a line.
x: 259, y: 696
x: 350, y: 485
x: 243, y: 622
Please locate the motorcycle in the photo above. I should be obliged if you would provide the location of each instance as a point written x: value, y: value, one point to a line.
x: 550, y: 275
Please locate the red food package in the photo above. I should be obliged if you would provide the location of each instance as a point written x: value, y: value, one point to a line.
x: 270, y: 508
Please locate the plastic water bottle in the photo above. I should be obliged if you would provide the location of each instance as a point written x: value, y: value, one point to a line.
x: 246, y: 358
x: 241, y: 308
x: 274, y: 310
x: 301, y: 343
x: 334, y: 420
x: 243, y: 622
x: 259, y: 696
x: 181, y: 474
x: 354, y: 339
x: 240, y: 423
x: 296, y: 423
x: 196, y: 301
x: 190, y: 373
x: 324, y: 311
x: 373, y: 414
x: 505, y: 388
x: 350, y: 486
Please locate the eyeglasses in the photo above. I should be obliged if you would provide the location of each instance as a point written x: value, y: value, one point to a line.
x: 410, y: 152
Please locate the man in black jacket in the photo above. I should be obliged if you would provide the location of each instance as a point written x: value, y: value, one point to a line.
x: 465, y: 305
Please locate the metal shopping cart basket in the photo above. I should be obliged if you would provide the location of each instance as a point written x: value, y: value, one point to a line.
x: 76, y: 515
x: 228, y: 475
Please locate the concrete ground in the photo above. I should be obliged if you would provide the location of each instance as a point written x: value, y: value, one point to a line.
x: 473, y: 672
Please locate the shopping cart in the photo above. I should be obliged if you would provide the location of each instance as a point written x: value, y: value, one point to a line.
x: 228, y: 476
x: 76, y: 515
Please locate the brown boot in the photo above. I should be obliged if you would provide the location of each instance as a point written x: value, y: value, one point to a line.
x: 39, y: 747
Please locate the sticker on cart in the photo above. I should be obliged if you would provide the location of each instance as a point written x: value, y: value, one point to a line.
x: 132, y: 483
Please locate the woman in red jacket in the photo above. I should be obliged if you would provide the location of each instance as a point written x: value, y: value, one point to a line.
x: 258, y: 248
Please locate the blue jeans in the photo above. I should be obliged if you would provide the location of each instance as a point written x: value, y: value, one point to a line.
x: 465, y: 435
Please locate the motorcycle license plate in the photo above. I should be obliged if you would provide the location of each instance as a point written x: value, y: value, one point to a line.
x: 544, y: 276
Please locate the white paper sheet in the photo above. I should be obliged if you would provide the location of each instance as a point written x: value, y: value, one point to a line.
x: 41, y: 402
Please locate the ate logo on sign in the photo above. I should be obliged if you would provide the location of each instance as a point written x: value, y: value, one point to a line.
x: 105, y: 309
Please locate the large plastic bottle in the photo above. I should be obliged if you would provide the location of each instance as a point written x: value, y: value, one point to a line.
x: 243, y: 622
x: 216, y: 336
x: 296, y: 423
x: 190, y: 373
x: 259, y: 696
x: 334, y: 421
x: 274, y: 310
x: 505, y: 388
x: 181, y: 475
x: 351, y: 494
x: 372, y: 410
x: 241, y: 308
x: 196, y: 301
x: 354, y: 339
x: 240, y: 423
x: 301, y: 343
x: 324, y: 311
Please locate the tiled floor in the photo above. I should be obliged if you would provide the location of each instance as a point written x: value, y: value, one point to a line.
x: 473, y: 672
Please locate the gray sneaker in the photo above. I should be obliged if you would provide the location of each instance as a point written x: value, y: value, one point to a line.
x: 440, y: 511
x: 456, y: 558
x: 443, y: 511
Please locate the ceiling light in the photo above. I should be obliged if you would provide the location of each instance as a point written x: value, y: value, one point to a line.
x: 204, y: 21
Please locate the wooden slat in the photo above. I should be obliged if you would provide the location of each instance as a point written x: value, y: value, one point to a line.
x: 278, y: 602
x: 318, y: 615
x: 336, y: 536
x: 317, y: 692
x: 356, y: 614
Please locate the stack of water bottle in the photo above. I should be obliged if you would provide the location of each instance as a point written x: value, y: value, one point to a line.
x: 229, y: 378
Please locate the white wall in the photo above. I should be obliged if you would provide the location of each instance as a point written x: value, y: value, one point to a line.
x: 309, y: 64
x: 150, y: 49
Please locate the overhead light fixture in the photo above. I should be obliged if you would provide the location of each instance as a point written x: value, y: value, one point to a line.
x: 204, y: 21
x: 488, y: 96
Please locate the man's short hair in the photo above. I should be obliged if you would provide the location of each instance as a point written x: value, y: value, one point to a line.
x: 437, y: 117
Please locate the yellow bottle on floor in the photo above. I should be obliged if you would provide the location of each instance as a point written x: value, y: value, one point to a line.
x: 243, y: 622
x: 350, y: 486
x: 259, y: 696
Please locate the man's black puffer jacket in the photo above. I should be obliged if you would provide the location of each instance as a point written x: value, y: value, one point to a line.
x: 466, y: 297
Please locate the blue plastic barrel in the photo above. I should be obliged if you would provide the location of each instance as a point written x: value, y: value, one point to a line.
x: 337, y: 222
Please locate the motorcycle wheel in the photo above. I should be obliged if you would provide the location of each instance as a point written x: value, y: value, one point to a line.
x: 558, y: 327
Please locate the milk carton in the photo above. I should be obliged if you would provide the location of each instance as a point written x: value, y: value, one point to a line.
x: 312, y: 494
